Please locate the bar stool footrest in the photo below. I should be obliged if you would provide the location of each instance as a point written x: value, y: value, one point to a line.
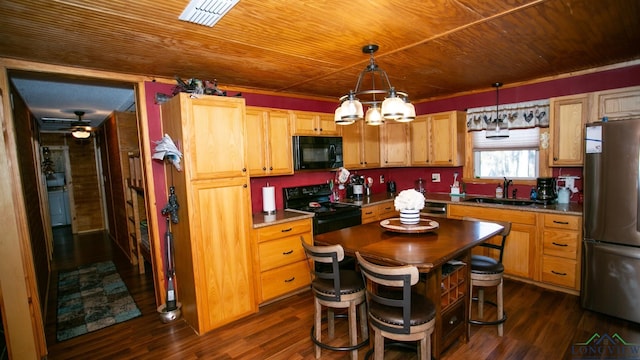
x: 481, y: 322
x: 337, y: 348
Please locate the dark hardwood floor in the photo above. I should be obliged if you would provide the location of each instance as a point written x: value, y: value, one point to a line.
x: 542, y: 324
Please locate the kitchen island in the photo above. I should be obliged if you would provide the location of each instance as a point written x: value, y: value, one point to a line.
x: 440, y: 255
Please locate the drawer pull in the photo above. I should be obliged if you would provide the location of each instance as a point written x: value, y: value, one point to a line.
x: 559, y: 273
x: 558, y: 244
x: 453, y: 320
x: 368, y: 213
x: 290, y: 280
x: 286, y: 230
x: 288, y: 252
x: 561, y: 222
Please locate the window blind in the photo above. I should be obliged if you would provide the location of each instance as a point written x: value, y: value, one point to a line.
x: 518, y: 139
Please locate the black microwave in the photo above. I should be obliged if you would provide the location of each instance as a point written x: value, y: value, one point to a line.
x: 317, y: 152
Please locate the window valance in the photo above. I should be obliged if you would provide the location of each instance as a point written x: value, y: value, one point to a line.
x: 518, y: 115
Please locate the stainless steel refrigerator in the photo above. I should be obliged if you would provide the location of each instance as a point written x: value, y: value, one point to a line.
x: 611, y: 245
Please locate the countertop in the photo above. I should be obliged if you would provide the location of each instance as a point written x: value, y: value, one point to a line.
x: 281, y: 216
x: 569, y: 209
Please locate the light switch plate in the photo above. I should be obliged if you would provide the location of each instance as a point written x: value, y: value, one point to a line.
x: 435, y: 177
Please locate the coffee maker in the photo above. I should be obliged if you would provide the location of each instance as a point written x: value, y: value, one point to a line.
x: 546, y: 190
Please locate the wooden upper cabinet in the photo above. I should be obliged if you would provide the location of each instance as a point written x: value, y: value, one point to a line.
x: 394, y: 144
x: 314, y: 123
x: 361, y: 145
x: 438, y: 139
x: 269, y: 136
x: 616, y: 104
x: 568, y: 116
x: 212, y: 129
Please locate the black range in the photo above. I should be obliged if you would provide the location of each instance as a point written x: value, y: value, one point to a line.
x: 328, y: 216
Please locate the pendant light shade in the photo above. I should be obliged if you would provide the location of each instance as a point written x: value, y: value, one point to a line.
x: 80, y: 133
x: 497, y: 128
x: 396, y: 105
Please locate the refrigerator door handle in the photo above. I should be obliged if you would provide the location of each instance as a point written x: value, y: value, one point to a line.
x: 617, y: 250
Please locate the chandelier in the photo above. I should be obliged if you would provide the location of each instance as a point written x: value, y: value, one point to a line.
x: 384, y: 103
x: 498, y: 127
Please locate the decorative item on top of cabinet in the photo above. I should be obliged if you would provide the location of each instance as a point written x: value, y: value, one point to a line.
x: 561, y: 241
x: 616, y: 104
x: 313, y: 123
x: 281, y: 264
x: 213, y: 256
x: 361, y: 146
x: 438, y: 139
x: 269, y: 131
x: 568, y: 116
x: 394, y: 144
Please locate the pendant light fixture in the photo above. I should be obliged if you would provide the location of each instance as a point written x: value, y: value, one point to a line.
x: 383, y: 103
x: 497, y: 128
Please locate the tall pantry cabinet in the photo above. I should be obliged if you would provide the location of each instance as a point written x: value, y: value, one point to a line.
x: 211, y: 239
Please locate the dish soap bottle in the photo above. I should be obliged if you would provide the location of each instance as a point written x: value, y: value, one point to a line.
x: 499, y: 192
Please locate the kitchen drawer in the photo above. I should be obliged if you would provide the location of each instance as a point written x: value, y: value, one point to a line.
x: 567, y: 222
x: 453, y: 325
x: 559, y: 271
x: 369, y: 214
x: 285, y: 279
x: 280, y: 252
x: 561, y: 243
x: 386, y: 210
x: 284, y: 229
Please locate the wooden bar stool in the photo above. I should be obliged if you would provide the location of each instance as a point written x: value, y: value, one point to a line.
x: 336, y: 288
x: 395, y: 311
x: 488, y: 271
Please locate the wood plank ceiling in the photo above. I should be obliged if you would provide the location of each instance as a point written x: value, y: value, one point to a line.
x: 313, y: 47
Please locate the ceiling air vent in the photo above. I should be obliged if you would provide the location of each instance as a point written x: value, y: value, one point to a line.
x: 206, y: 12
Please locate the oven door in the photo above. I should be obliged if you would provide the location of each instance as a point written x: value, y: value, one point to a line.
x: 323, y: 224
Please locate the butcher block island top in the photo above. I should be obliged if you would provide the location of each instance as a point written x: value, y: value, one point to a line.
x: 424, y: 250
x: 441, y: 256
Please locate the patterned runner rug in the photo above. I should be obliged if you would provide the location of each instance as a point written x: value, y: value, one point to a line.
x: 92, y: 297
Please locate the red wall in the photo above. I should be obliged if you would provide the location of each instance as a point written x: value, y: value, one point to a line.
x: 404, y: 178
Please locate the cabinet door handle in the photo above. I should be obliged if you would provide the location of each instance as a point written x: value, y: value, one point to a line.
x: 290, y: 280
x: 453, y: 320
x: 264, y: 168
x: 286, y: 230
x: 244, y: 169
x: 561, y: 222
x: 558, y: 244
x: 558, y: 273
x: 270, y: 167
x: 244, y: 186
x: 288, y: 252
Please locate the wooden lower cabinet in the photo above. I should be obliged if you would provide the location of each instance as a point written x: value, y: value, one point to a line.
x: 281, y: 264
x: 561, y: 240
x: 377, y: 212
x: 520, y: 248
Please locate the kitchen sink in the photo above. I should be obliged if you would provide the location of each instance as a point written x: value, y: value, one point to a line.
x: 512, y: 202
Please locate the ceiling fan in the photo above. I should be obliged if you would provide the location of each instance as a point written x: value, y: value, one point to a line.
x: 79, y: 128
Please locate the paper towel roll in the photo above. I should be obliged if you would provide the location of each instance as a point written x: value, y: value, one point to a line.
x: 269, y: 199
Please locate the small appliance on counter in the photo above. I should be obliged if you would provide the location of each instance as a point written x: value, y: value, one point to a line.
x: 546, y: 190
x: 391, y: 187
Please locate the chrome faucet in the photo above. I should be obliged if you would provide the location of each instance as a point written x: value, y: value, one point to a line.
x: 505, y: 186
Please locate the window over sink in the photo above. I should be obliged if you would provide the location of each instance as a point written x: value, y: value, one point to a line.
x: 515, y: 157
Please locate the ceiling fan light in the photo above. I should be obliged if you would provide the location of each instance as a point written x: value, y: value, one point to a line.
x: 373, y: 116
x: 80, y: 134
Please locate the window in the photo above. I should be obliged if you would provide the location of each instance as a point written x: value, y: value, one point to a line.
x: 515, y: 157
